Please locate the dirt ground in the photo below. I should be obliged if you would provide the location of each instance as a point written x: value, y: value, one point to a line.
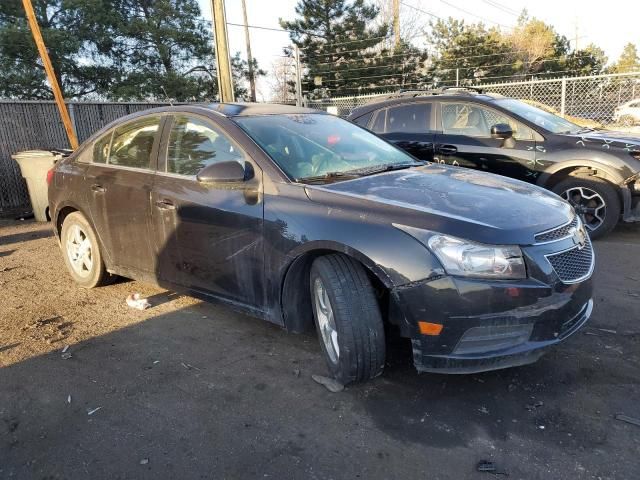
x: 193, y: 390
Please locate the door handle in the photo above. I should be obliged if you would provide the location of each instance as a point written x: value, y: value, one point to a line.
x: 165, y: 205
x: 447, y: 149
x: 98, y: 188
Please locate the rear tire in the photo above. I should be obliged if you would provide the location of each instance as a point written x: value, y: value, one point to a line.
x: 81, y: 252
x: 348, y: 319
x: 595, y: 200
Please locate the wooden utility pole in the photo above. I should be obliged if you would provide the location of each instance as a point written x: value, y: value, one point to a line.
x: 223, y: 61
x: 252, y: 80
x: 396, y: 23
x: 51, y: 75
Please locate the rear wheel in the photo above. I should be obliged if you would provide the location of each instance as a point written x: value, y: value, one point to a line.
x: 82, y: 252
x: 348, y: 319
x: 595, y: 200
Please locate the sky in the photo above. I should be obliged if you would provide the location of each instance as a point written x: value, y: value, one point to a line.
x: 610, y: 25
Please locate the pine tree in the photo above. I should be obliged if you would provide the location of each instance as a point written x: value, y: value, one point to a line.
x: 341, y: 53
x: 629, y: 60
x: 470, y: 51
x: 113, y: 49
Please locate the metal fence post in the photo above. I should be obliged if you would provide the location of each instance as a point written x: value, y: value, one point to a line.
x: 298, y: 77
x: 563, y: 96
x: 72, y: 115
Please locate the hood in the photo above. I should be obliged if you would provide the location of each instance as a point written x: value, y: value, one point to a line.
x: 610, y: 138
x: 473, y: 205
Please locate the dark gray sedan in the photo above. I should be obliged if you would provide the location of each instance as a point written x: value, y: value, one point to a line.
x: 299, y: 217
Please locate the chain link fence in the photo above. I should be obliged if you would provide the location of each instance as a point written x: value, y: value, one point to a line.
x: 591, y: 99
x: 588, y: 100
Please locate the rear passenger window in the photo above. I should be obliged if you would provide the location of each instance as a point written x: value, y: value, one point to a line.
x: 409, y: 118
x: 378, y: 123
x: 101, y: 149
x: 363, y: 121
x: 194, y: 144
x: 132, y: 143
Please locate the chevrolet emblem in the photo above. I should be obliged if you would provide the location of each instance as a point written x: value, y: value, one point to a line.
x: 579, y: 237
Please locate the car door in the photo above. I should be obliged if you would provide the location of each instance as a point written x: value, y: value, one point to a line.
x: 465, y: 140
x: 208, y: 236
x: 409, y: 126
x: 119, y: 180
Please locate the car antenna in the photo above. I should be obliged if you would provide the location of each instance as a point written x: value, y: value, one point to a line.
x: 165, y: 94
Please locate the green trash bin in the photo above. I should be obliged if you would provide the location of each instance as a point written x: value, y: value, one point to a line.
x: 34, y: 165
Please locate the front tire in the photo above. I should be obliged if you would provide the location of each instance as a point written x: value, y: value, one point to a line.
x: 348, y: 319
x: 595, y: 200
x: 81, y: 252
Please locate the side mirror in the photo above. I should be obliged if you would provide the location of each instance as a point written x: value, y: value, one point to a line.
x: 501, y: 131
x: 224, y: 172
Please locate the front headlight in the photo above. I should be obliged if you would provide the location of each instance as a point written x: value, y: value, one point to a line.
x: 471, y: 259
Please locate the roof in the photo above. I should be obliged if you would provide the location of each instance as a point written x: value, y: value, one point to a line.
x: 238, y: 109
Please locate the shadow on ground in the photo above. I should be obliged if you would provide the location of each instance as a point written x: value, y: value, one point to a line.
x: 204, y: 392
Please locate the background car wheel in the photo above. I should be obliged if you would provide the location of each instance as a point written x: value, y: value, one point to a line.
x: 595, y: 200
x: 348, y: 319
x: 82, y: 253
x: 626, y: 121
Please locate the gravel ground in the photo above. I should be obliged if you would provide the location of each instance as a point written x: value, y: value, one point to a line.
x: 193, y: 390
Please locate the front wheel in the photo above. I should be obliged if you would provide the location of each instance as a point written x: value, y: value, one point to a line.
x: 348, y: 319
x: 82, y: 253
x: 595, y: 200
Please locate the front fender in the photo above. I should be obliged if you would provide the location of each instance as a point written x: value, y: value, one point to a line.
x: 610, y: 167
x: 295, y: 226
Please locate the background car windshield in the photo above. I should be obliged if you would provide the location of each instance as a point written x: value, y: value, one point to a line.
x: 308, y: 145
x: 546, y: 120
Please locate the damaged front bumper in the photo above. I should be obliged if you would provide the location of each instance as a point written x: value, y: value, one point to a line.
x: 488, y: 325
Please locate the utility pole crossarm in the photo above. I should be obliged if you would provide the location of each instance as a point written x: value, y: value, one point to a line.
x: 51, y: 75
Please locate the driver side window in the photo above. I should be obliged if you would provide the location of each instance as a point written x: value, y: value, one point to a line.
x: 476, y: 121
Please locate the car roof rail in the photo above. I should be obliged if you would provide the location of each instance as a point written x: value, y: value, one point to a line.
x: 463, y: 90
x: 434, y: 91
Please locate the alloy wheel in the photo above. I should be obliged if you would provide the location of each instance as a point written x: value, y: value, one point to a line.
x: 79, y: 251
x: 326, y: 320
x: 587, y: 203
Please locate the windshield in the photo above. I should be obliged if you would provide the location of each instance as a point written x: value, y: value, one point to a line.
x: 548, y: 121
x: 313, y: 145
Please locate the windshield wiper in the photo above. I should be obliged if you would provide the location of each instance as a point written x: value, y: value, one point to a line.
x: 358, y: 172
x: 326, y: 176
x: 385, y: 168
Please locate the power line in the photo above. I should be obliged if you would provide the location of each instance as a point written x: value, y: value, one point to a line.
x: 381, y: 76
x: 502, y: 7
x: 474, y: 15
x: 422, y: 11
x: 258, y: 27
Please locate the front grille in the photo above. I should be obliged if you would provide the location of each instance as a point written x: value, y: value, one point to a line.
x: 557, y: 233
x: 575, y: 264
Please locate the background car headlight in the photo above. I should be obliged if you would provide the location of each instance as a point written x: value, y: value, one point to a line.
x: 471, y: 259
